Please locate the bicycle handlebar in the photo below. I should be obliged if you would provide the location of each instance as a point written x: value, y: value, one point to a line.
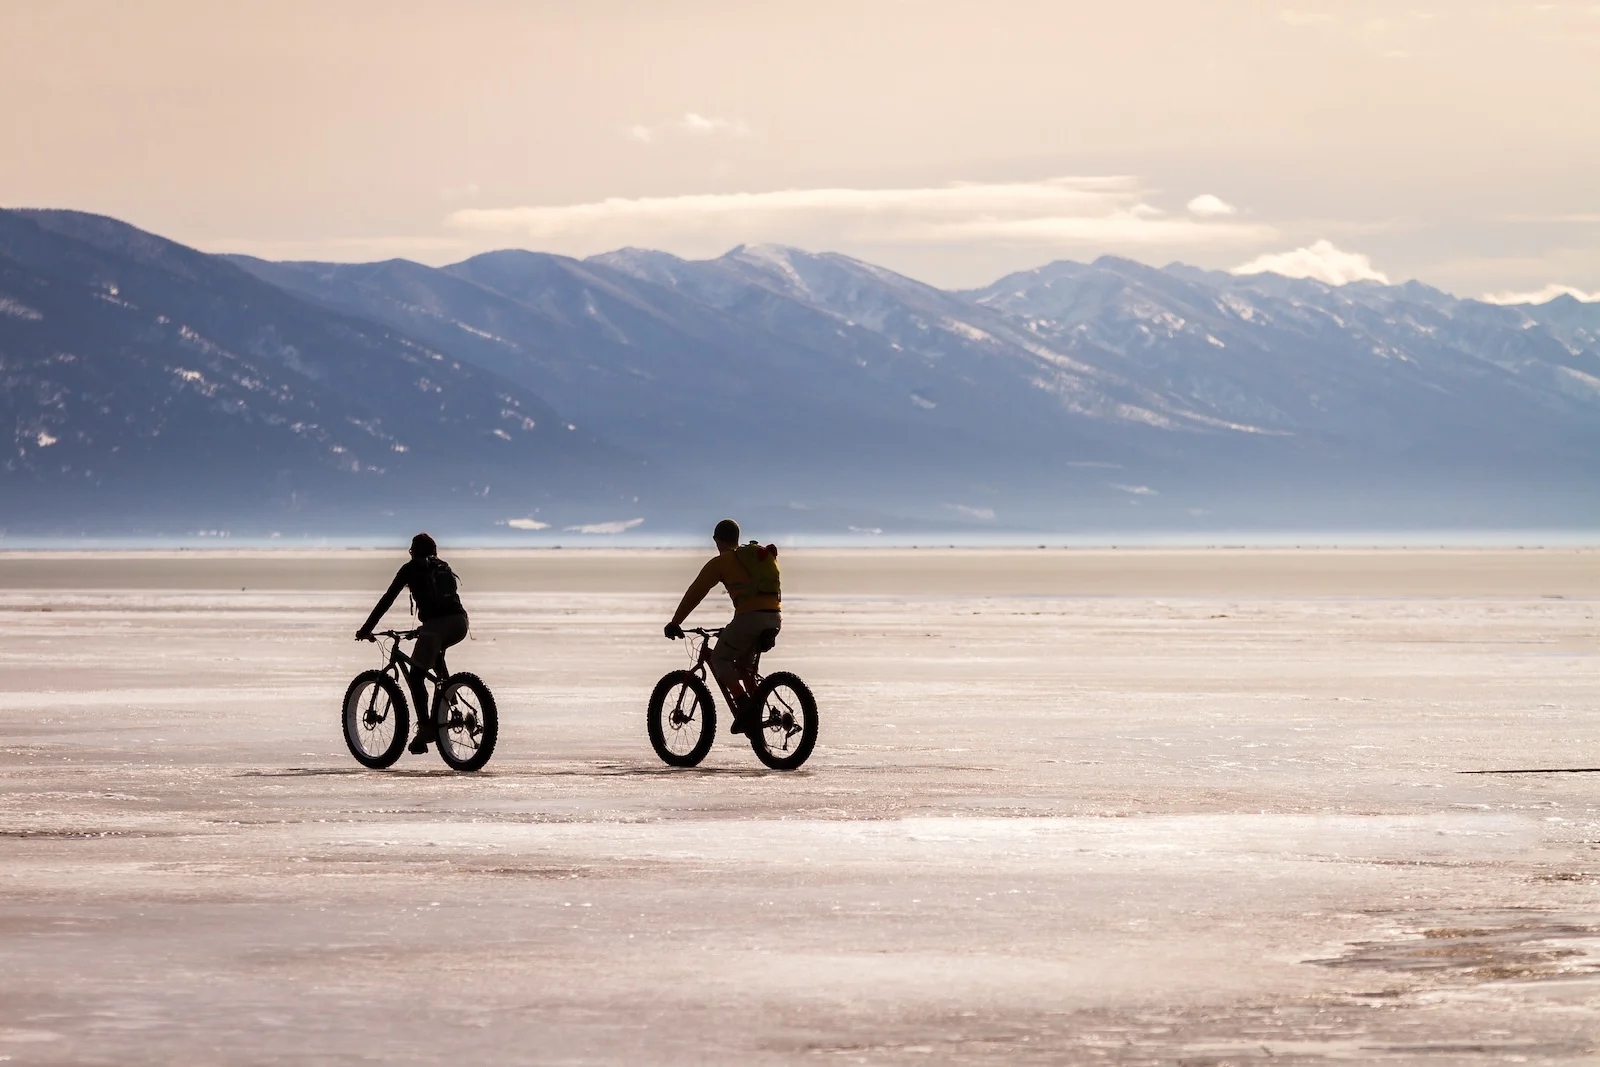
x: 702, y: 631
x: 398, y: 635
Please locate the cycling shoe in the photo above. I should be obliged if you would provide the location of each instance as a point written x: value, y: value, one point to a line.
x: 426, y: 735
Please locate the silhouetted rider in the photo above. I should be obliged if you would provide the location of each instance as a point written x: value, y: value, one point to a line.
x: 757, y: 609
x: 443, y: 623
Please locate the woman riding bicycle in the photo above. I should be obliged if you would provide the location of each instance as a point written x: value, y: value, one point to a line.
x: 443, y: 622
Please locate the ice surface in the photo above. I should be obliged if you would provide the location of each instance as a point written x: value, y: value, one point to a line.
x: 1207, y: 810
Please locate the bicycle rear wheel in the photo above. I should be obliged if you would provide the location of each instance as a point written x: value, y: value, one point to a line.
x: 469, y: 722
x: 682, y: 719
x: 785, y: 729
x: 375, y: 719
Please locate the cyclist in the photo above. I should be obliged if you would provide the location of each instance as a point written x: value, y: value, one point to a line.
x: 757, y: 610
x: 443, y: 623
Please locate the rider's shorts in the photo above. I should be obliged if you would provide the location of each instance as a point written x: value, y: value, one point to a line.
x: 739, y: 637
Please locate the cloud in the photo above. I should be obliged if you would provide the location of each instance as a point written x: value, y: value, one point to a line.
x: 1068, y: 211
x: 986, y: 514
x: 1136, y: 490
x: 691, y: 124
x: 1586, y: 216
x: 1321, y: 261
x: 525, y: 524
x: 1542, y: 296
x: 1210, y: 207
x: 701, y: 126
x: 621, y: 526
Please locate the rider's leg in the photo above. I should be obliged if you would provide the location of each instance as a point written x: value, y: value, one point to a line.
x: 735, y: 652
x: 423, y: 656
x: 433, y: 638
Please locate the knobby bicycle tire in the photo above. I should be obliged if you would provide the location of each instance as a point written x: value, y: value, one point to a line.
x: 658, y: 710
x: 354, y: 710
x: 457, y: 724
x: 802, y: 705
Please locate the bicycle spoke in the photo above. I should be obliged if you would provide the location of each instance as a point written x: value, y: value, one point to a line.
x: 685, y: 722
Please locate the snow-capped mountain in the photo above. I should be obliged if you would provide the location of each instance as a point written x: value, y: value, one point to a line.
x: 152, y: 388
x: 813, y: 391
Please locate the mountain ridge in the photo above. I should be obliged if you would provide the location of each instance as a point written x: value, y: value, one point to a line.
x: 813, y: 390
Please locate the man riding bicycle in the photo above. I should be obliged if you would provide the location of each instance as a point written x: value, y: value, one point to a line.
x: 750, y: 575
x: 443, y: 623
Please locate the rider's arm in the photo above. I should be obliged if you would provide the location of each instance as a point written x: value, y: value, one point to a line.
x: 703, y: 583
x: 386, y: 602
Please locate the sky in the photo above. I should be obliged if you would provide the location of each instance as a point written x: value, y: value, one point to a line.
x: 953, y: 141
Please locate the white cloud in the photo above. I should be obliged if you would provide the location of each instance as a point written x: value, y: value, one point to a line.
x: 691, y: 124
x: 1087, y: 213
x: 621, y: 526
x: 1587, y: 216
x: 1542, y: 296
x: 526, y: 524
x: 1136, y: 490
x: 1321, y: 261
x: 986, y: 514
x: 1210, y: 207
x: 703, y: 126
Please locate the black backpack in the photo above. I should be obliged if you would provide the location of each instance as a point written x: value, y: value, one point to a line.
x: 442, y: 578
x: 438, y: 588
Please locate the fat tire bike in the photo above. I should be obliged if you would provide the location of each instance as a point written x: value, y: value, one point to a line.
x: 377, y: 719
x: 682, y: 719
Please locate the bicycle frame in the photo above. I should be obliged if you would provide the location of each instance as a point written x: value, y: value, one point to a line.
x: 749, y: 667
x: 403, y: 666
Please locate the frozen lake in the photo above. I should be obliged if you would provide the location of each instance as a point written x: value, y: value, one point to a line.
x: 1150, y: 807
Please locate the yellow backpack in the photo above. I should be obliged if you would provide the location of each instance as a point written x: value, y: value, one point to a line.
x: 761, y: 563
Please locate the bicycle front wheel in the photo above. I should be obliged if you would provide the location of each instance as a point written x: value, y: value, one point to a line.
x: 375, y: 719
x: 682, y: 719
x: 785, y: 729
x: 469, y: 722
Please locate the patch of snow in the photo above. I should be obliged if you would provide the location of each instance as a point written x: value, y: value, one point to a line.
x: 1586, y: 384
x: 481, y: 333
x: 621, y: 526
x: 45, y: 439
x: 965, y: 329
x: 17, y: 310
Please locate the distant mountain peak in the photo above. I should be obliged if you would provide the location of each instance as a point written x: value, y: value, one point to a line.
x: 779, y: 375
